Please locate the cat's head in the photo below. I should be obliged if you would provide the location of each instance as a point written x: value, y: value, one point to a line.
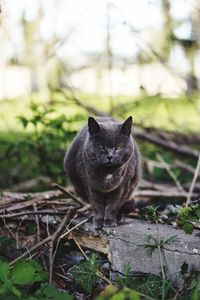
x: 109, y: 143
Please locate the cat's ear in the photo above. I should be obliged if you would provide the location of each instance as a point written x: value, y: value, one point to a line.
x: 126, y: 126
x: 93, y: 126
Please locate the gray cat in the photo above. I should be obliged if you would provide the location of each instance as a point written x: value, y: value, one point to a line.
x: 104, y: 166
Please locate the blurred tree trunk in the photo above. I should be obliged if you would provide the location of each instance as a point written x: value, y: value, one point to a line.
x: 196, y: 21
x: 168, y: 27
x: 34, y: 51
x: 193, y: 49
x: 109, y: 54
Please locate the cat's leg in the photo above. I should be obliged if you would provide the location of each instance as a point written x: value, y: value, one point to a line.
x: 98, y: 204
x: 111, y: 214
x: 117, y: 201
x: 113, y: 204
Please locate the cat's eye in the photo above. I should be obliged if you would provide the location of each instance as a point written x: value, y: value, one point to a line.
x: 119, y: 146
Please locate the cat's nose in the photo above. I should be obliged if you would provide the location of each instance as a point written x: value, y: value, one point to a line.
x: 109, y: 157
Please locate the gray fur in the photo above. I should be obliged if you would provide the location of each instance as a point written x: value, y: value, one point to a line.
x: 100, y: 172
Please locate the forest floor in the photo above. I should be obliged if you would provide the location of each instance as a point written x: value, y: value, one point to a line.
x: 33, y: 139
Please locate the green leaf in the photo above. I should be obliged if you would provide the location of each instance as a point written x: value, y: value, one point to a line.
x: 184, y: 212
x: 151, y: 244
x: 10, y: 296
x: 198, y: 211
x: 196, y: 293
x: 40, y: 275
x: 26, y: 272
x: 133, y: 295
x: 188, y: 227
x: 34, y: 106
x: 23, y: 272
x: 24, y: 121
x: 15, y: 291
x: 170, y: 240
x: 188, y: 217
x: 119, y: 296
x: 151, y: 213
x: 152, y: 286
x: 5, y: 241
x: 50, y: 292
x: 4, y: 271
x: 126, y: 279
x: 3, y: 288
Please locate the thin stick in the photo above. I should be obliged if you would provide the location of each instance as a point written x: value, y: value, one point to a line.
x: 60, y: 237
x: 41, y: 212
x: 84, y: 208
x: 54, y: 237
x: 7, y: 227
x: 164, y: 193
x: 76, y: 226
x: 37, y: 222
x: 38, y: 245
x: 35, y: 247
x: 79, y: 247
x: 65, y: 191
x: 196, y: 174
x: 172, y: 175
x: 17, y: 233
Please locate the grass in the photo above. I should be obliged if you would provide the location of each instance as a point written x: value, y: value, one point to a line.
x: 180, y: 114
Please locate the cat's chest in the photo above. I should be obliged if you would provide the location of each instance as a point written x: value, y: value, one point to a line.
x: 110, y: 181
x: 109, y: 178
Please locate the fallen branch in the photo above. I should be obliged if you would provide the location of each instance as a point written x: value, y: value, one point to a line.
x: 34, y: 213
x: 30, y: 184
x: 7, y: 198
x: 167, y: 193
x: 170, y: 145
x: 69, y: 194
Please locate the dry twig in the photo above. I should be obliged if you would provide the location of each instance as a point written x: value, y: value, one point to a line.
x: 196, y: 174
x: 69, y: 194
x: 172, y: 175
x: 53, y: 239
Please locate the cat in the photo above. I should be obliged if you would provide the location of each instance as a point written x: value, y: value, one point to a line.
x: 103, y: 164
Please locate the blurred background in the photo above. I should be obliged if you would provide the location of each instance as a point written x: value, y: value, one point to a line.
x: 61, y: 61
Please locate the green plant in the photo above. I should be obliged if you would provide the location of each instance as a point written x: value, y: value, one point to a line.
x: 153, y: 287
x: 151, y: 213
x: 49, y: 292
x: 26, y: 273
x: 153, y: 243
x: 85, y: 273
x: 23, y: 273
x: 6, y: 245
x: 125, y: 280
x: 124, y: 294
x: 51, y: 134
x: 188, y: 217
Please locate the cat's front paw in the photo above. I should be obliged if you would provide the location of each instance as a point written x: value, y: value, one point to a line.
x: 110, y: 223
x: 98, y: 223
